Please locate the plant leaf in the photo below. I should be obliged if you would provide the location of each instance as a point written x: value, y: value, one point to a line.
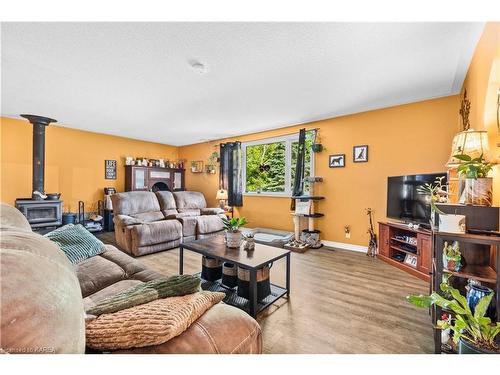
x: 482, y: 306
x: 420, y: 301
x: 461, y: 299
x: 462, y: 157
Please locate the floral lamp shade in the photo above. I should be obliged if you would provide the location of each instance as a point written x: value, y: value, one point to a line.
x: 468, y: 142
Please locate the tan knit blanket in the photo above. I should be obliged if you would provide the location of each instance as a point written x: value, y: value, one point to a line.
x: 152, y: 323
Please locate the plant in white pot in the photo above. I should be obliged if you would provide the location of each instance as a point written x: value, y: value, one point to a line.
x: 234, y: 236
x: 478, y: 186
x: 436, y: 193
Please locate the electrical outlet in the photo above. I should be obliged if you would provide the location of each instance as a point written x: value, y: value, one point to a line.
x: 347, y: 231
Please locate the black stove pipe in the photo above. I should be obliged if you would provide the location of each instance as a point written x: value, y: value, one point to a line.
x: 39, y: 123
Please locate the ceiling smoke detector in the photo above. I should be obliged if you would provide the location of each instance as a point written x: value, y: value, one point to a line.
x: 198, y: 67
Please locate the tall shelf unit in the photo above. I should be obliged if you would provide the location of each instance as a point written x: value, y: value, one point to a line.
x: 311, y: 234
x: 481, y: 262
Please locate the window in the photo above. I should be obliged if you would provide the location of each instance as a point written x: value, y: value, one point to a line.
x: 269, y: 164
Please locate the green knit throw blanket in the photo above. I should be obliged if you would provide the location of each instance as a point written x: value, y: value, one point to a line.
x: 147, y: 292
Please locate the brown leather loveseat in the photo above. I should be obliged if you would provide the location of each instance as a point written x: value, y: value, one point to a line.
x: 147, y: 222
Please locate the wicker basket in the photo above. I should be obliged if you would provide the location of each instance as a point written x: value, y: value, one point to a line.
x: 263, y: 283
x: 229, y: 275
x: 211, y: 269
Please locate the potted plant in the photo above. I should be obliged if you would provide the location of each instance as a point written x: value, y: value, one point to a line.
x: 452, y: 257
x: 233, y: 233
x: 213, y: 160
x: 437, y: 194
x: 478, y: 186
x: 473, y: 332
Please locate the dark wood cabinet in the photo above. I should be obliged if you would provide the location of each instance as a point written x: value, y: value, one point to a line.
x: 384, y: 240
x: 406, y: 248
x: 424, y: 246
x: 138, y: 178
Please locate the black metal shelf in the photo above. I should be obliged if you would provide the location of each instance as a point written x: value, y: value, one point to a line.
x: 233, y: 299
x: 315, y: 215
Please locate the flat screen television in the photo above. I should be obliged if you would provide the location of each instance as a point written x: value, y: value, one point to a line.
x: 405, y: 203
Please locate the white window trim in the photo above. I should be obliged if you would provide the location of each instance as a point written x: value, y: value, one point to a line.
x: 288, y: 139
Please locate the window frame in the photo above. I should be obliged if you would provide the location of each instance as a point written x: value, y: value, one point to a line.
x: 288, y: 139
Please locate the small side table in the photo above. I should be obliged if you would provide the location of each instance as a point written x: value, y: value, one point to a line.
x: 229, y: 212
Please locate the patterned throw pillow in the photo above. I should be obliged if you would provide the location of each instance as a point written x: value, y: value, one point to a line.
x: 76, y: 242
x: 152, y: 323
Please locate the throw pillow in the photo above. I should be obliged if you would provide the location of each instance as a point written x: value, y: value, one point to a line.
x: 153, y: 323
x: 76, y: 242
x: 173, y: 286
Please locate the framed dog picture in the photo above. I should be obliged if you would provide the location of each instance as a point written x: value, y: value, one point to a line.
x: 336, y: 161
x: 360, y: 154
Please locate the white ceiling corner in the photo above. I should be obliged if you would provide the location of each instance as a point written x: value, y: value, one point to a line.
x: 137, y: 80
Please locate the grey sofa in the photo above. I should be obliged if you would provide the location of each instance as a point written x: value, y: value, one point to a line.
x: 147, y: 222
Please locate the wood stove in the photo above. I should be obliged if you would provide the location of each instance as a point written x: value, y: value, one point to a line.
x: 40, y: 212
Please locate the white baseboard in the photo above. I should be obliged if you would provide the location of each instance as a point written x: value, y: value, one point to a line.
x: 345, y: 246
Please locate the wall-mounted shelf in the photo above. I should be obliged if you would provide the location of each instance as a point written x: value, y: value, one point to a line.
x: 308, y: 197
x: 315, y: 215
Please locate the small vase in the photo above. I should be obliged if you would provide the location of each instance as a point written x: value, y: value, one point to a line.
x: 233, y: 239
x: 229, y: 275
x: 452, y: 263
x: 433, y: 218
x: 475, y: 293
x: 249, y: 244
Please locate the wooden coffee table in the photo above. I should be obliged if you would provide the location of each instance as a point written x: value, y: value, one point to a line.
x: 215, y: 247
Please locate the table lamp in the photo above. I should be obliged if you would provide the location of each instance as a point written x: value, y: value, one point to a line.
x: 221, y: 197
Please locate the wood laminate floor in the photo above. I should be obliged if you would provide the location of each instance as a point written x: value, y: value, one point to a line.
x: 341, y: 302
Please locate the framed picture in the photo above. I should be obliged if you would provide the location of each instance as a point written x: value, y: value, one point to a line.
x: 411, y: 260
x: 197, y: 166
x: 110, y: 169
x: 360, y: 154
x: 336, y: 161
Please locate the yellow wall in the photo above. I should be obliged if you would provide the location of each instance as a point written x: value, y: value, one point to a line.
x: 407, y: 139
x: 74, y: 162
x: 482, y: 84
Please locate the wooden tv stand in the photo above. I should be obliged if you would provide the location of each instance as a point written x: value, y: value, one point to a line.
x: 390, y: 247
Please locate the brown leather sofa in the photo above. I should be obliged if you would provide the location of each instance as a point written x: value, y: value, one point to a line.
x: 197, y: 220
x: 42, y: 309
x: 146, y: 222
x: 140, y: 226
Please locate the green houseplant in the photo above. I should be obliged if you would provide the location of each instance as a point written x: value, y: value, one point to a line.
x: 437, y: 194
x: 473, y: 332
x: 233, y: 233
x: 478, y: 186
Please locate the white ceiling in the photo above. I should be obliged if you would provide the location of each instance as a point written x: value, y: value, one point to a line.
x: 135, y: 79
